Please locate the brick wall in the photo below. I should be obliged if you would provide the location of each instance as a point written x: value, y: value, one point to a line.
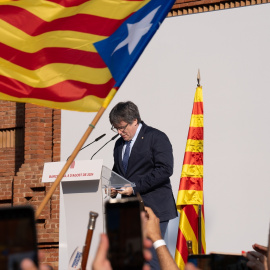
x: 11, y: 147
x: 34, y: 138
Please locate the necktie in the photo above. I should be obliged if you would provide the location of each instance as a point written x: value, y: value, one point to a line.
x: 126, y: 156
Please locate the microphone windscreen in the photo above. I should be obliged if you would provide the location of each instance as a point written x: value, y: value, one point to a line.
x: 114, y: 137
x: 98, y: 138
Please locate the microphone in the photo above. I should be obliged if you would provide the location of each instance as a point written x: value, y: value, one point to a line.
x: 105, y: 144
x: 97, y: 139
x: 100, y: 137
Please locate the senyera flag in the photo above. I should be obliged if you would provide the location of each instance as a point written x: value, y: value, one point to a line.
x: 190, y: 194
x: 72, y: 54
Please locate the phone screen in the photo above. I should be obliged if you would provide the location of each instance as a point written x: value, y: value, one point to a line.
x: 201, y: 261
x: 17, y: 236
x: 219, y: 262
x: 123, y: 221
x: 230, y: 262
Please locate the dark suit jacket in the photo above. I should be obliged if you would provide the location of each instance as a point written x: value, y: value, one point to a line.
x: 150, y: 165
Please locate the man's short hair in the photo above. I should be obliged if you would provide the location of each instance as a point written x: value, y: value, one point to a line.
x: 124, y: 111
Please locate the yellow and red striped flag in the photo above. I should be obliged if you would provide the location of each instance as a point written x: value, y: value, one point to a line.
x: 190, y: 194
x: 73, y: 54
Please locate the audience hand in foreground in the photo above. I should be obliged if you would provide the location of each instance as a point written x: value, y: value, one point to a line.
x: 166, y: 261
x: 261, y: 249
x: 191, y: 266
x: 152, y: 226
x: 256, y: 260
x: 28, y: 264
x: 102, y: 263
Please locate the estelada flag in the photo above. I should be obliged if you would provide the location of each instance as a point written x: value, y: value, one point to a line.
x: 73, y: 54
x: 190, y: 193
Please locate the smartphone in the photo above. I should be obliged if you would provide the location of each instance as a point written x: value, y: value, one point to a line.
x: 217, y: 261
x: 17, y: 236
x: 119, y: 188
x: 124, y: 229
x: 201, y: 261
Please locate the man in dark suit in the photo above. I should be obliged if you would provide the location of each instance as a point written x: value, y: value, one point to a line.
x: 143, y: 155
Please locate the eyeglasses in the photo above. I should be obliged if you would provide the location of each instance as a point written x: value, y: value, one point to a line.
x: 116, y: 129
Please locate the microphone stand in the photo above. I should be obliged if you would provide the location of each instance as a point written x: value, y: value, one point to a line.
x: 97, y: 139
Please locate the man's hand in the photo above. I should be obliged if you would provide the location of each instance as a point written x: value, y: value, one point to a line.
x: 127, y: 191
x: 113, y: 193
x: 152, y: 226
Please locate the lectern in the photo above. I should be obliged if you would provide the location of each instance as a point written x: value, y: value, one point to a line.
x: 84, y: 188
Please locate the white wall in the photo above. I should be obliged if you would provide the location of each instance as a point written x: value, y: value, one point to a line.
x: 231, y: 48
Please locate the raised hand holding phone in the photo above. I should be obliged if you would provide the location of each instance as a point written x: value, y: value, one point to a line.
x: 124, y: 230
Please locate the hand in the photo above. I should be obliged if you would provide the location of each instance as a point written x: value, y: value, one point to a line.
x: 147, y: 244
x: 191, y: 266
x: 166, y: 261
x: 28, y: 264
x: 261, y: 249
x: 147, y: 253
x: 152, y: 226
x: 113, y: 193
x: 127, y: 191
x: 101, y: 262
x: 256, y: 260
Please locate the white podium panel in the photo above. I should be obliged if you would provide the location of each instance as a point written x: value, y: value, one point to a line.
x: 79, y: 170
x: 80, y: 193
x: 84, y: 188
x: 79, y: 198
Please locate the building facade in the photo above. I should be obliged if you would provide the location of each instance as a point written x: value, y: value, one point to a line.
x: 30, y: 136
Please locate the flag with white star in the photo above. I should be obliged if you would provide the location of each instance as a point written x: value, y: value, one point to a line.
x: 122, y: 49
x: 73, y: 54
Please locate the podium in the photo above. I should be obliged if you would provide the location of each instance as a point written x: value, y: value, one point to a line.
x: 85, y: 187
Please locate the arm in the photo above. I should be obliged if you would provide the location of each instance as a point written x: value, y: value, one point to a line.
x: 153, y: 232
x: 165, y: 259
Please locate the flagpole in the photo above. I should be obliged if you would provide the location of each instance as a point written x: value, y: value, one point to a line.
x: 75, y: 152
